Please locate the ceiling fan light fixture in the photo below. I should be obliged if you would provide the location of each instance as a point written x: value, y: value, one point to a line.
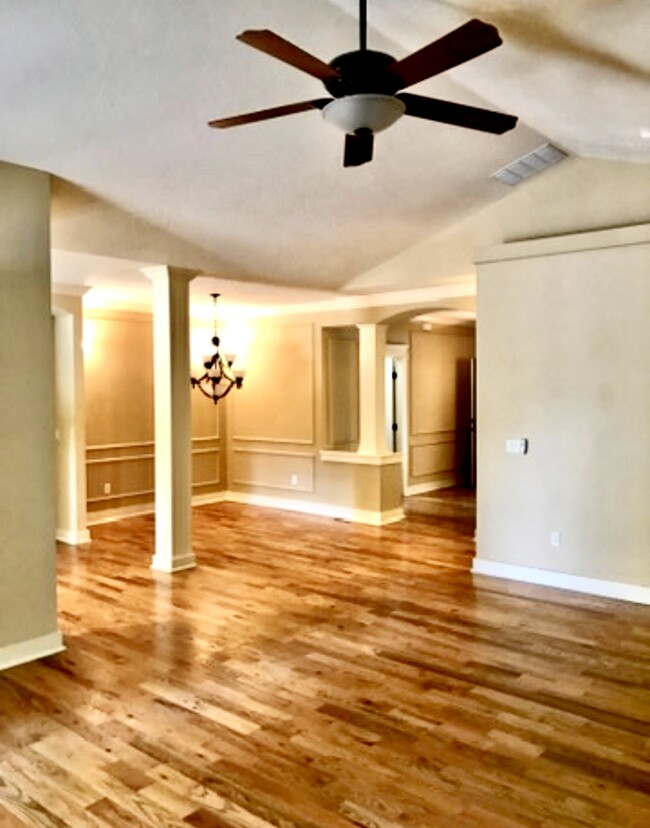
x: 363, y: 111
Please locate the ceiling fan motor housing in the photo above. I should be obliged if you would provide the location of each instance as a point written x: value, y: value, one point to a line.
x: 360, y: 72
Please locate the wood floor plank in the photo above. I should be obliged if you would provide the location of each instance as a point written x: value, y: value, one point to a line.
x: 312, y: 673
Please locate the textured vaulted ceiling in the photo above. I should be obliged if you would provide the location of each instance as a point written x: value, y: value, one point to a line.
x: 112, y: 98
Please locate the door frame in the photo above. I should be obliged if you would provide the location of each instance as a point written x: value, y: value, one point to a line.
x: 400, y: 353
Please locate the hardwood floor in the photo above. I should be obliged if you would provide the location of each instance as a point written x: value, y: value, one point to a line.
x: 452, y: 502
x: 312, y: 673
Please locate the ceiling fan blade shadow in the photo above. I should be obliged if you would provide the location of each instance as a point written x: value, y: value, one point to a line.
x: 267, y: 114
x: 272, y: 44
x: 472, y: 39
x: 447, y: 112
x: 358, y: 148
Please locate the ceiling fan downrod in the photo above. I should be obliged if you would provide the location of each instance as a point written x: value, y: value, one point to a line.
x: 363, y: 25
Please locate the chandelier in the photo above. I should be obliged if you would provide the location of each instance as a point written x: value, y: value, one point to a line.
x: 219, y: 378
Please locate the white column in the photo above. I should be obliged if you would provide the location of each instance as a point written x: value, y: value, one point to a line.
x: 171, y: 337
x: 372, y: 415
x: 70, y: 413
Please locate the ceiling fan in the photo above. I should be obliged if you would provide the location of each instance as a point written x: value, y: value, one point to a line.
x: 365, y: 86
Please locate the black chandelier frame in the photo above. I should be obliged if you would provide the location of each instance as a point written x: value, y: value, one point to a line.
x: 219, y: 378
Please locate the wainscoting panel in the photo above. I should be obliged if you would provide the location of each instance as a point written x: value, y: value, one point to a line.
x: 434, y: 454
x: 273, y: 469
x: 206, y: 466
x: 128, y: 471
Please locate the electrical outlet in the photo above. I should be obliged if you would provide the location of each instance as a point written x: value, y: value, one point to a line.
x: 107, y: 488
x: 294, y: 479
x: 556, y: 539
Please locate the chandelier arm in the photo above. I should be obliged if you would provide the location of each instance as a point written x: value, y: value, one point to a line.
x: 202, y: 390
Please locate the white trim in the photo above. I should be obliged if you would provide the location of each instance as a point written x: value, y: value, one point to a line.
x: 320, y: 509
x: 563, y: 580
x: 460, y: 287
x: 113, y: 446
x: 139, y: 509
x: 129, y: 458
x: 274, y: 452
x: 570, y: 243
x: 60, y: 289
x: 119, y: 513
x: 73, y: 537
x: 366, y: 516
x: 120, y: 496
x: 275, y: 440
x: 162, y: 563
x: 354, y: 457
x: 402, y: 354
x: 208, y: 498
x: 431, y: 486
x: 419, y: 488
x: 45, y: 645
x: 121, y: 458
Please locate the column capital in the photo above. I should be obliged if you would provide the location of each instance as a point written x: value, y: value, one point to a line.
x: 157, y: 272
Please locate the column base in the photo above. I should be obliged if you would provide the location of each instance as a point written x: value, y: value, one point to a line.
x: 45, y: 645
x: 73, y: 537
x: 165, y: 564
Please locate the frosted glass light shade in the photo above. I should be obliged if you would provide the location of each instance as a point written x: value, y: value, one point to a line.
x: 365, y: 111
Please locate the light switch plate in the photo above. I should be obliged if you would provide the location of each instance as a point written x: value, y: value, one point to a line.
x: 518, y: 445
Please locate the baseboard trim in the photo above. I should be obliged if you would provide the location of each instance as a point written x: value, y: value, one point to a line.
x: 561, y: 580
x: 164, y: 564
x: 45, y: 645
x: 73, y: 537
x: 366, y: 516
x: 119, y: 513
x: 208, y: 498
x: 431, y: 486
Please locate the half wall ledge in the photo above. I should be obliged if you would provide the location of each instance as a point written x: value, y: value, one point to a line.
x: 328, y: 456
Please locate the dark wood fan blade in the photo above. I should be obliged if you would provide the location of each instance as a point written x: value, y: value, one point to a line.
x: 278, y: 47
x: 457, y: 114
x: 358, y: 148
x: 469, y: 41
x: 267, y: 114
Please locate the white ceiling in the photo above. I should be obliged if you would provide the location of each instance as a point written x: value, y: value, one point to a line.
x: 113, y: 96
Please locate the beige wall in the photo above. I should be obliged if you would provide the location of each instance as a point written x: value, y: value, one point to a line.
x: 300, y: 397
x: 564, y: 359
x: 263, y: 441
x: 283, y: 419
x: 27, y: 498
x: 575, y: 196
x: 118, y: 355
x: 439, y: 405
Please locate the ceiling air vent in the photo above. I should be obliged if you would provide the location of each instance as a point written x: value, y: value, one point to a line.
x: 532, y: 163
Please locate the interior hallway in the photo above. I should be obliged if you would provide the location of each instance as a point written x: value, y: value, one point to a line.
x: 313, y: 673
